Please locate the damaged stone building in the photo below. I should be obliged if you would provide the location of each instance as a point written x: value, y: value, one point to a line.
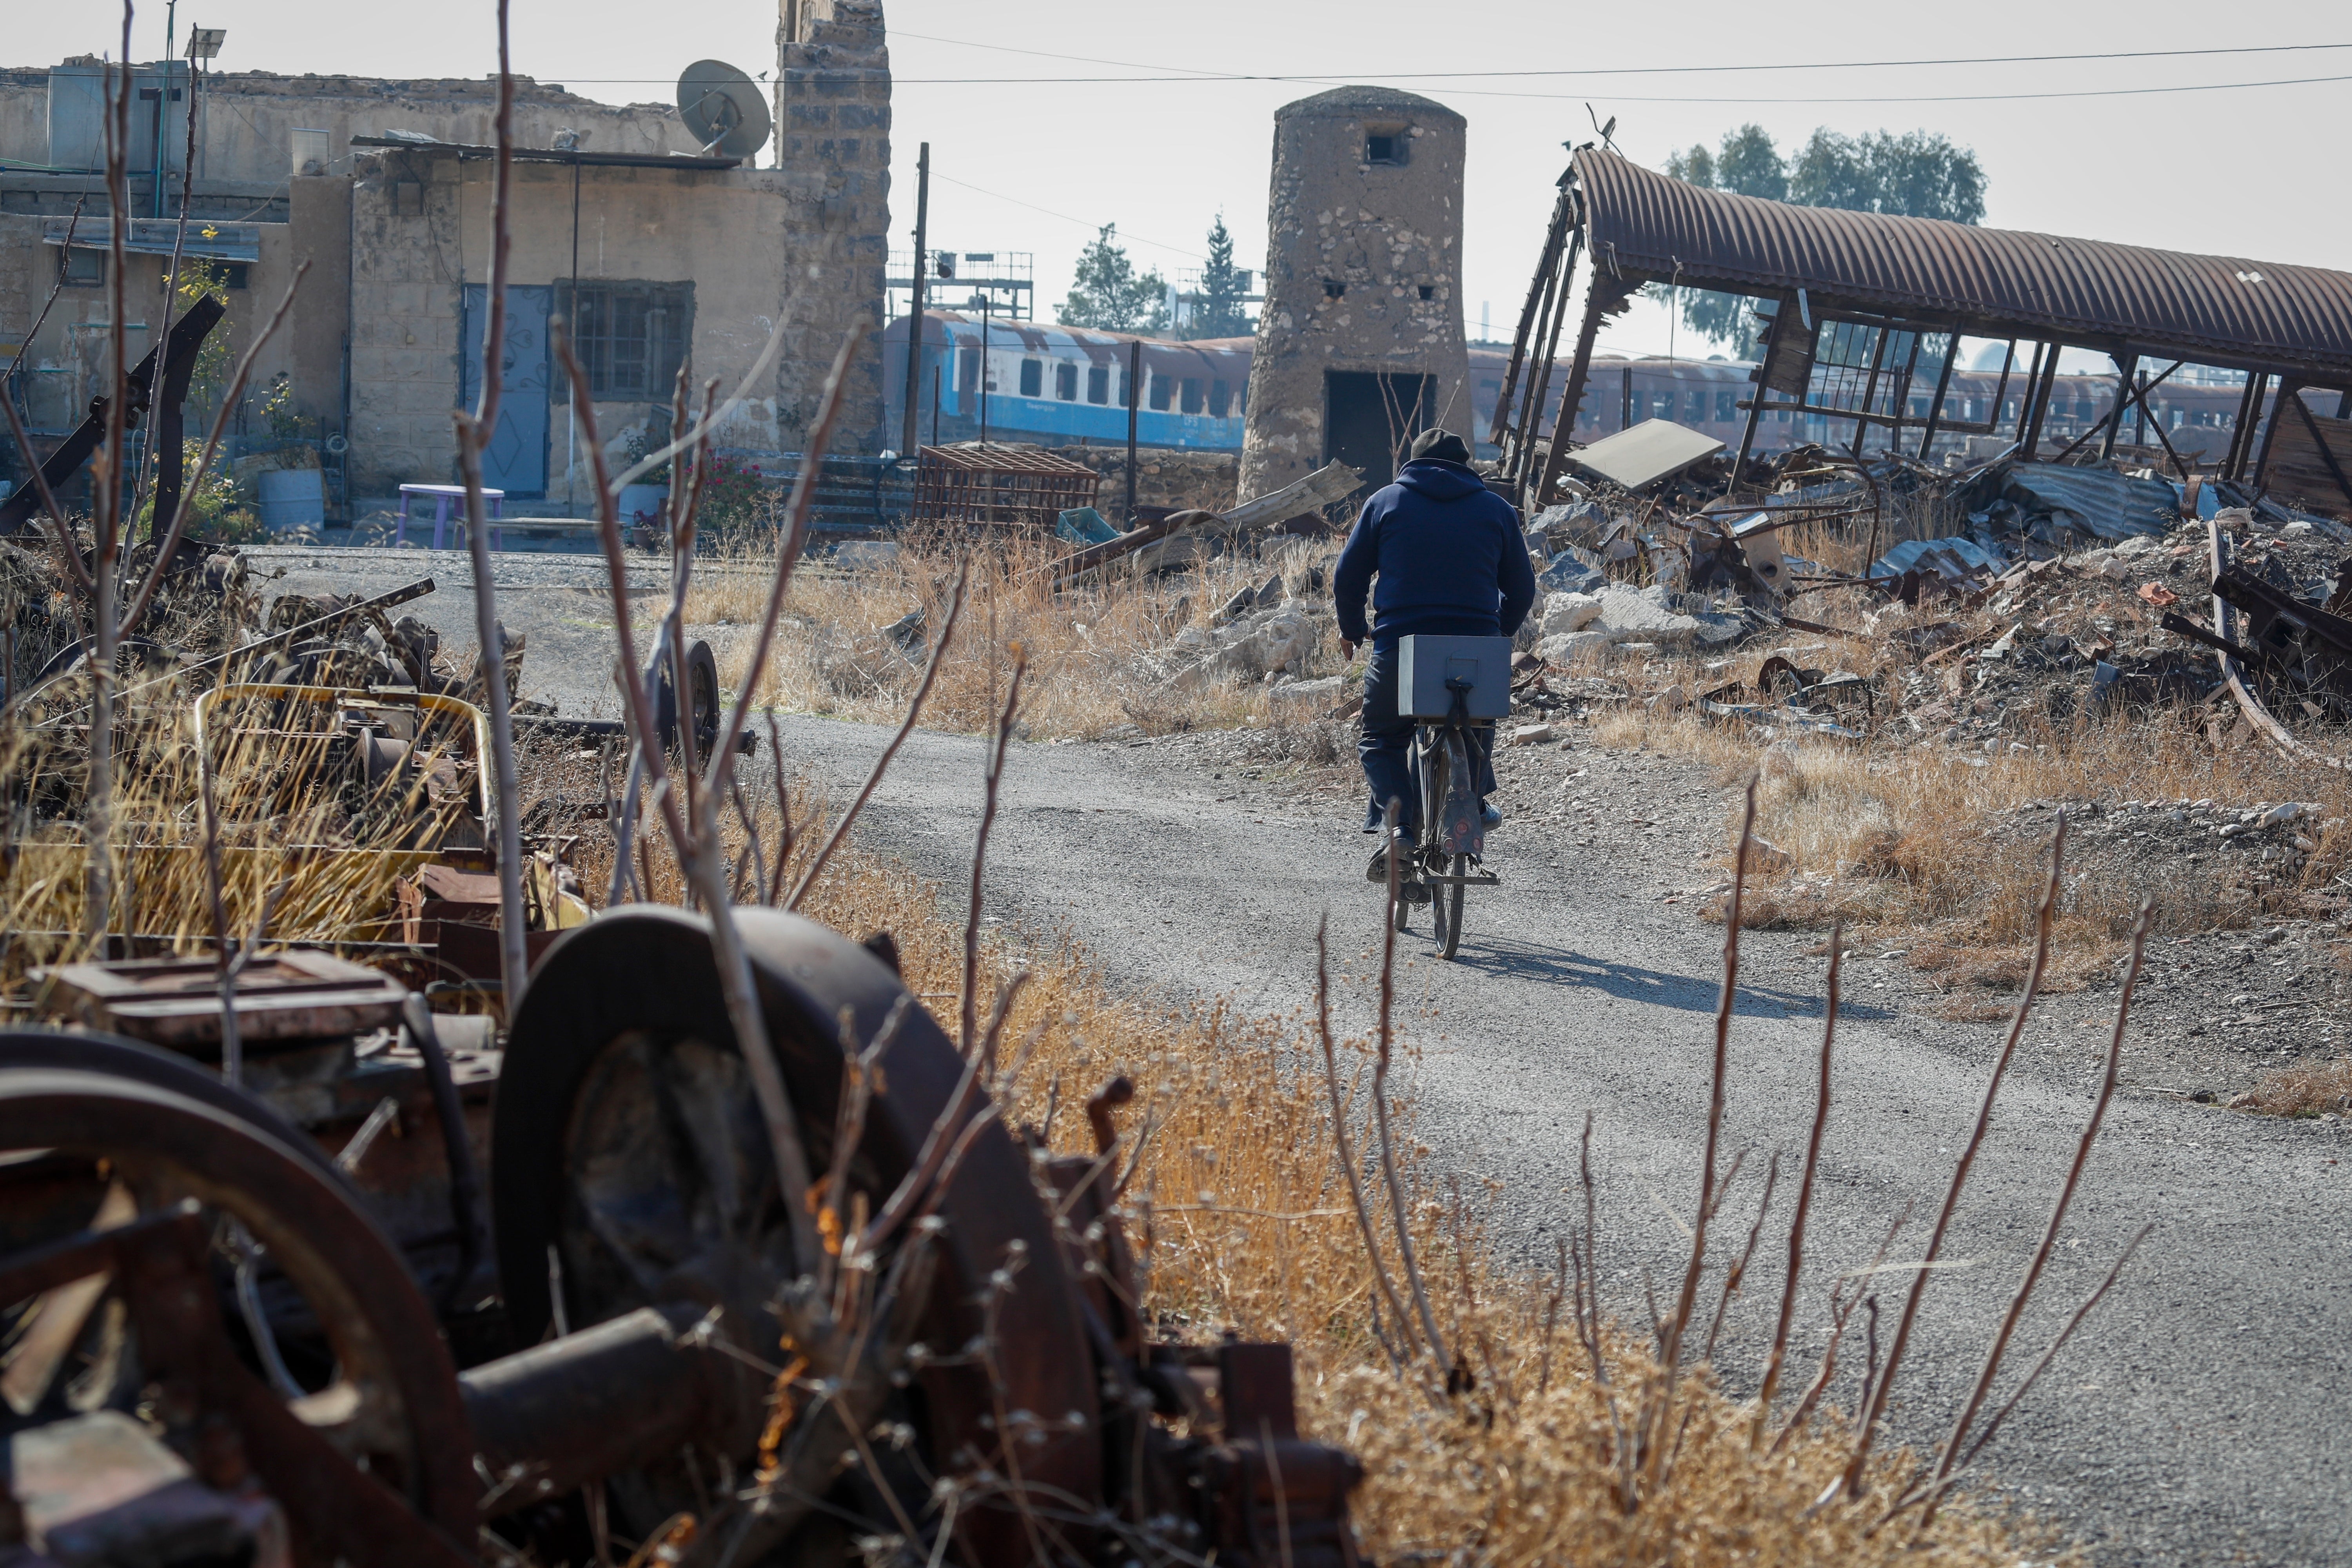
x: 657, y: 255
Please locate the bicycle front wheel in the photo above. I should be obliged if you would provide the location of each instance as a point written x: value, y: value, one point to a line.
x: 1449, y: 924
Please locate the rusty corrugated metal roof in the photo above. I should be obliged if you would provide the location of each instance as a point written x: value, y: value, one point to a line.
x: 2209, y: 308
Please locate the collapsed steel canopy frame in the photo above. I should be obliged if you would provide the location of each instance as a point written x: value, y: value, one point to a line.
x: 2290, y: 323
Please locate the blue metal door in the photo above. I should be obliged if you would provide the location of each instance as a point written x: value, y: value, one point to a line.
x: 516, y: 459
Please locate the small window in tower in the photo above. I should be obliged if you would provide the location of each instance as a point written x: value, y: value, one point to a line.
x: 1221, y: 399
x: 1429, y: 291
x: 1333, y: 289
x: 1066, y: 380
x: 1384, y: 147
x: 1033, y: 378
x: 1098, y: 384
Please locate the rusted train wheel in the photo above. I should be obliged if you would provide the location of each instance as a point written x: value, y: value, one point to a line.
x: 627, y: 1148
x: 93, y: 1146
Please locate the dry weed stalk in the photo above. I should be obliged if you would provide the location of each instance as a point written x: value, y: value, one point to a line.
x: 474, y: 433
x: 1875, y: 1407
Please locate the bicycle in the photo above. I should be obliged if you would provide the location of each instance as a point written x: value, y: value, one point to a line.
x: 1446, y: 860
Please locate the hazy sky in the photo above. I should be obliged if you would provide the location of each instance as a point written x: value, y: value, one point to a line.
x: 1035, y: 164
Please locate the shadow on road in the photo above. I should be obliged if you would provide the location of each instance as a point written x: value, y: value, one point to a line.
x: 1683, y: 993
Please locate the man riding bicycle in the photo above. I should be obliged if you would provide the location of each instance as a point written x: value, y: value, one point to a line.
x: 1450, y: 560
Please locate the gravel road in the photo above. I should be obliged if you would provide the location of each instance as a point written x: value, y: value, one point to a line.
x: 2201, y: 1416
x: 2198, y: 1418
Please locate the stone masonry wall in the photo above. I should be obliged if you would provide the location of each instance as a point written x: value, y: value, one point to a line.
x: 1352, y: 246
x: 1164, y: 476
x: 833, y: 145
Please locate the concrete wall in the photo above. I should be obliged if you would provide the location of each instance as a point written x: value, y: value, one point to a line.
x: 1380, y: 232
x: 756, y: 243
x: 66, y: 363
x: 246, y: 119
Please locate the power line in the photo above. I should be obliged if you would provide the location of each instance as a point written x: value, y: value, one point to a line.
x: 1575, y: 97
x: 1193, y: 75
x: 1032, y: 206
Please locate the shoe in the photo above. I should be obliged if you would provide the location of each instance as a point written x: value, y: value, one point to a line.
x: 1490, y: 818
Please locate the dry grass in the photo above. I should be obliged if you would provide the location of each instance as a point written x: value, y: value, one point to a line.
x: 2316, y: 1089
x: 1923, y: 845
x: 1095, y: 652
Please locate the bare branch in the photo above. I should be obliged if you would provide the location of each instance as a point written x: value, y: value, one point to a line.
x: 969, y: 1001
x: 907, y: 726
x: 2041, y: 1259
x: 1875, y: 1407
x: 1778, y: 1355
x: 1398, y: 1215
x: 185, y: 509
x: 1686, y: 1303
x: 795, y: 540
x: 1348, y: 1155
x: 60, y: 535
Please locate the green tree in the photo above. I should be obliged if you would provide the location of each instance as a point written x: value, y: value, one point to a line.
x: 1915, y: 175
x: 1109, y: 295
x: 1219, y: 313
x: 1749, y: 165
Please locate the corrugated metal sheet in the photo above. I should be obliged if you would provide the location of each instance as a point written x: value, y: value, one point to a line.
x: 2110, y: 505
x: 2206, y: 307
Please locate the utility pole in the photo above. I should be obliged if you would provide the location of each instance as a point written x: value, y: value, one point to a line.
x: 985, y: 300
x: 164, y: 98
x: 915, y: 300
x: 1134, y: 396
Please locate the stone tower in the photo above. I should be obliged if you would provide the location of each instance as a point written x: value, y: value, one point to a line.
x: 1360, y: 342
x: 833, y: 146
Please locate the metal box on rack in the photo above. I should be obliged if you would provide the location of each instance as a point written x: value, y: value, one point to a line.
x: 1425, y: 663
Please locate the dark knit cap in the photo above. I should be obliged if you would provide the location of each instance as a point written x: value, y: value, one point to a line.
x: 1441, y: 444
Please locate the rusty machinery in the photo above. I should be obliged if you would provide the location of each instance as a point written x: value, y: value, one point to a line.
x: 284, y: 1325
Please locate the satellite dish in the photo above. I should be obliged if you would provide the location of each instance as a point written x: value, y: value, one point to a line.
x: 723, y: 109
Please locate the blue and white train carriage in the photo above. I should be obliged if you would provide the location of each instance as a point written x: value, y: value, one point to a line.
x: 1061, y: 386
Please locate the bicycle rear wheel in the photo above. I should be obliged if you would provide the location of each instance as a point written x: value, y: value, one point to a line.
x: 1449, y: 925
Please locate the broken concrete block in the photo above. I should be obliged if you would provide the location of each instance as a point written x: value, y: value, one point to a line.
x: 1763, y: 855
x: 1631, y: 615
x: 1533, y: 734
x: 1570, y: 612
x: 1671, y: 699
x: 1567, y: 645
x: 1319, y: 693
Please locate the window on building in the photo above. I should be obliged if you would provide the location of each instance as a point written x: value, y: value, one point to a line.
x: 1221, y: 399
x: 1333, y: 289
x: 1033, y: 378
x: 239, y: 273
x: 1163, y: 390
x: 1194, y: 402
x: 1429, y: 291
x: 79, y: 266
x: 631, y: 337
x: 1066, y: 380
x: 1386, y: 147
x: 1098, y: 384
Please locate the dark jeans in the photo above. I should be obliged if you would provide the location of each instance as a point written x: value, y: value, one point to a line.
x: 1384, y: 745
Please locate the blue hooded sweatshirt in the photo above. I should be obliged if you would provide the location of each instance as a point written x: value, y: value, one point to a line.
x: 1449, y: 553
